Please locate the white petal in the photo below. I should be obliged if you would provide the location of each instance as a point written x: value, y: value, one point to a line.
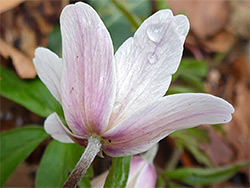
x: 49, y: 69
x: 99, y: 181
x: 53, y: 126
x: 88, y: 78
x: 146, y: 62
x: 155, y: 121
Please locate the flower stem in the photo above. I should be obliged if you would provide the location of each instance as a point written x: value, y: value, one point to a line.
x: 94, y: 146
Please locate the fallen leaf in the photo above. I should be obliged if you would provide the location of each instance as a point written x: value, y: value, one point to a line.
x: 239, y: 23
x: 233, y: 86
x: 9, y: 4
x: 207, y: 18
x: 26, y: 27
x: 217, y: 149
x: 222, y: 42
x: 23, y: 64
x: 238, y: 131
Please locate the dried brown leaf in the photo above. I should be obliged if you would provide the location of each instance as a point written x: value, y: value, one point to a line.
x: 222, y: 42
x: 206, y: 17
x: 22, y: 63
x: 9, y: 4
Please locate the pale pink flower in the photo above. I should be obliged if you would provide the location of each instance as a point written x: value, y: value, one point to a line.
x: 120, y: 97
x: 141, y: 174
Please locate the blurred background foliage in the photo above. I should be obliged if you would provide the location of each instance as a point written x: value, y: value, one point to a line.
x: 216, y: 60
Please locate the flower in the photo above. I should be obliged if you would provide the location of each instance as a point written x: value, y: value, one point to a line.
x: 141, y: 173
x: 119, y: 98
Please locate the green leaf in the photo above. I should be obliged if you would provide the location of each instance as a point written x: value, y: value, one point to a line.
x: 32, y: 94
x: 162, y: 4
x: 134, y: 21
x: 193, y: 80
x: 191, y: 72
x: 117, y: 24
x: 179, y: 89
x: 15, y: 146
x: 118, y: 173
x: 194, y: 66
x: 55, y: 40
x: 160, y: 182
x: 171, y: 184
x: 57, y: 162
x: 201, y: 176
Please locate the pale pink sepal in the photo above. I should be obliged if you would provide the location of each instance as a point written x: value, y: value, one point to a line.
x: 88, y: 77
x: 155, y: 121
x: 54, y: 126
x: 145, y: 63
x: 49, y: 69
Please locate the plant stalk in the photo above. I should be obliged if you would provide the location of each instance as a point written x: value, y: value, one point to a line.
x: 94, y: 146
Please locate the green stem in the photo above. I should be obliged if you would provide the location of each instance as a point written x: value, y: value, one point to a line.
x: 94, y: 146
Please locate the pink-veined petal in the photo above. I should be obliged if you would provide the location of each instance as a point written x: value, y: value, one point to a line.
x: 99, y: 181
x: 53, y: 126
x: 155, y: 121
x: 49, y: 69
x: 145, y: 63
x: 88, y: 77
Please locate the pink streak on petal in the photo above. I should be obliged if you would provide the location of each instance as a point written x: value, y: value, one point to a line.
x: 88, y: 77
x: 150, y: 124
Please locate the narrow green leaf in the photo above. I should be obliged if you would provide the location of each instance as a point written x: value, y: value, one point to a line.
x: 55, y: 40
x: 57, y: 162
x: 201, y: 176
x: 132, y: 18
x: 15, y: 146
x: 171, y: 184
x: 193, y: 80
x: 32, y: 94
x: 162, y: 4
x: 160, y: 182
x: 117, y: 24
x: 194, y: 66
x: 180, y: 89
x: 192, y: 72
x: 191, y: 139
x: 118, y: 173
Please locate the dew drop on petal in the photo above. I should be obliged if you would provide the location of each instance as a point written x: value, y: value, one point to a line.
x: 152, y: 58
x: 155, y: 33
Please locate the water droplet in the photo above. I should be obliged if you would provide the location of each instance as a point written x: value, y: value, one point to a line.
x: 155, y: 33
x: 117, y: 106
x: 152, y: 58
